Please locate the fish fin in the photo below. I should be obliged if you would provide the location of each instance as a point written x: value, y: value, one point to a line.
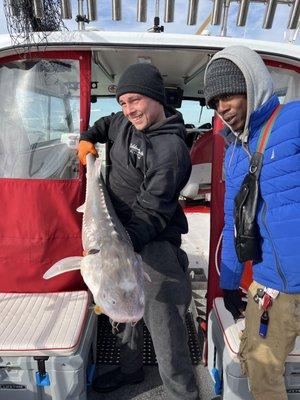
x: 64, y: 265
x: 81, y: 208
x: 147, y: 276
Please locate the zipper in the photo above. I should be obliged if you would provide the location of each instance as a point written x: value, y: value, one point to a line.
x: 246, y: 148
x: 278, y: 265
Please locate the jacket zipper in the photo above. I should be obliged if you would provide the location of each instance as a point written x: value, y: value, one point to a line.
x: 278, y: 265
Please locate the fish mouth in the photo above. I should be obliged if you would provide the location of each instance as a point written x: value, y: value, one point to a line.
x: 132, y: 321
x: 121, y: 319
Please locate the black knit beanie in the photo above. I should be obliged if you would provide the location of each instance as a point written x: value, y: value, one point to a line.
x: 223, y: 77
x: 142, y: 78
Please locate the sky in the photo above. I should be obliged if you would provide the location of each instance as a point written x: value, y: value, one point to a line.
x: 252, y: 30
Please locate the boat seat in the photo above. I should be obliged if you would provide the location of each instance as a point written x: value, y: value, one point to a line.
x: 42, y: 324
x: 199, y: 181
x: 232, y: 331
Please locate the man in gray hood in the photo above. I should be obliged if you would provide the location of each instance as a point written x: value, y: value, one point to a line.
x: 240, y: 88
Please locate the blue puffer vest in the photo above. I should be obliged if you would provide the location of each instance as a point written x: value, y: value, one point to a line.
x: 279, y: 208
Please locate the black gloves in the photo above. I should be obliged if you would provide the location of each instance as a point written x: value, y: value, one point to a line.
x: 233, y: 303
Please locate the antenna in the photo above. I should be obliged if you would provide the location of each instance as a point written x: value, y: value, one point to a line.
x: 156, y: 27
x: 225, y: 18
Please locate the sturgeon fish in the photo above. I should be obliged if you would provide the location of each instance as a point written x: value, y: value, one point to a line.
x: 111, y: 269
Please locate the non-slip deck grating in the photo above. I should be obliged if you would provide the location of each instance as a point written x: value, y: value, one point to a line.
x: 108, y: 353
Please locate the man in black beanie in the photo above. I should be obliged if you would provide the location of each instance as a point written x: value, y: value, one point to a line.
x: 149, y: 165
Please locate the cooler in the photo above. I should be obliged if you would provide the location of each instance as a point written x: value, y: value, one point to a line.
x: 223, y: 364
x: 46, y: 345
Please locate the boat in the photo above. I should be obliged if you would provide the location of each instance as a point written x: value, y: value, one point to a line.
x: 52, y: 89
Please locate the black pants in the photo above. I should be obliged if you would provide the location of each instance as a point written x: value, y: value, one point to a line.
x: 167, y: 297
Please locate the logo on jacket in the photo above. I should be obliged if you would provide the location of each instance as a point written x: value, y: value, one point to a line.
x: 273, y: 154
x: 134, y: 149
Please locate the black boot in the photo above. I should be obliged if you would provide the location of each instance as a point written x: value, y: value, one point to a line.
x: 114, y: 379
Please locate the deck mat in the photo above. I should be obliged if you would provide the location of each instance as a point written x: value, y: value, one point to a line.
x: 108, y: 353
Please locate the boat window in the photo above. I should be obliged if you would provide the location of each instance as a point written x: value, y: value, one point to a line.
x: 286, y: 84
x: 102, y: 107
x: 190, y: 109
x: 39, y: 119
x: 194, y: 114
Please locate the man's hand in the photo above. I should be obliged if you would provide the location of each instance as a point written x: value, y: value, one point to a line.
x: 233, y: 303
x: 85, y: 147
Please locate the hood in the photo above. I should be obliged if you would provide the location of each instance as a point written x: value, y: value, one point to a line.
x: 258, y: 79
x: 173, y: 124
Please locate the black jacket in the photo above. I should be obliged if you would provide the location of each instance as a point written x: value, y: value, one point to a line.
x: 147, y: 172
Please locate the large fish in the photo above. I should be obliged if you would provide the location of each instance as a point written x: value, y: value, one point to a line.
x: 111, y: 269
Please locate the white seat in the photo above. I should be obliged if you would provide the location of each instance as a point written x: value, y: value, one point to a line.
x: 42, y: 323
x: 200, y: 178
x: 231, y: 331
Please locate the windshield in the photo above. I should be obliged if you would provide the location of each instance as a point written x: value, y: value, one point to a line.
x: 39, y: 119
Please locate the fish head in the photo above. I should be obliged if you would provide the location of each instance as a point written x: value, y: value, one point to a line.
x: 117, y: 286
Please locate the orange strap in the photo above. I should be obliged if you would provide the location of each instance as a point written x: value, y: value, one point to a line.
x: 266, y: 130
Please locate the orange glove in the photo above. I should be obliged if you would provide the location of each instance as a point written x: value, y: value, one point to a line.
x: 85, y: 147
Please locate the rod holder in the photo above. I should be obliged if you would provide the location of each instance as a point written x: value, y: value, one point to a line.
x: 141, y: 15
x: 66, y: 9
x: 192, y: 12
x: 294, y: 15
x: 38, y: 9
x: 243, y: 12
x: 92, y: 10
x: 14, y: 10
x: 116, y: 10
x: 269, y: 15
x: 169, y: 10
x: 217, y: 12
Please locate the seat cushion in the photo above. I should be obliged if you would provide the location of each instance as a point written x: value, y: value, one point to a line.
x: 42, y: 323
x: 232, y: 331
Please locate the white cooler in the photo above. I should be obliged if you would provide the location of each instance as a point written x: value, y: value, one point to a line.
x: 46, y: 343
x: 223, y: 364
